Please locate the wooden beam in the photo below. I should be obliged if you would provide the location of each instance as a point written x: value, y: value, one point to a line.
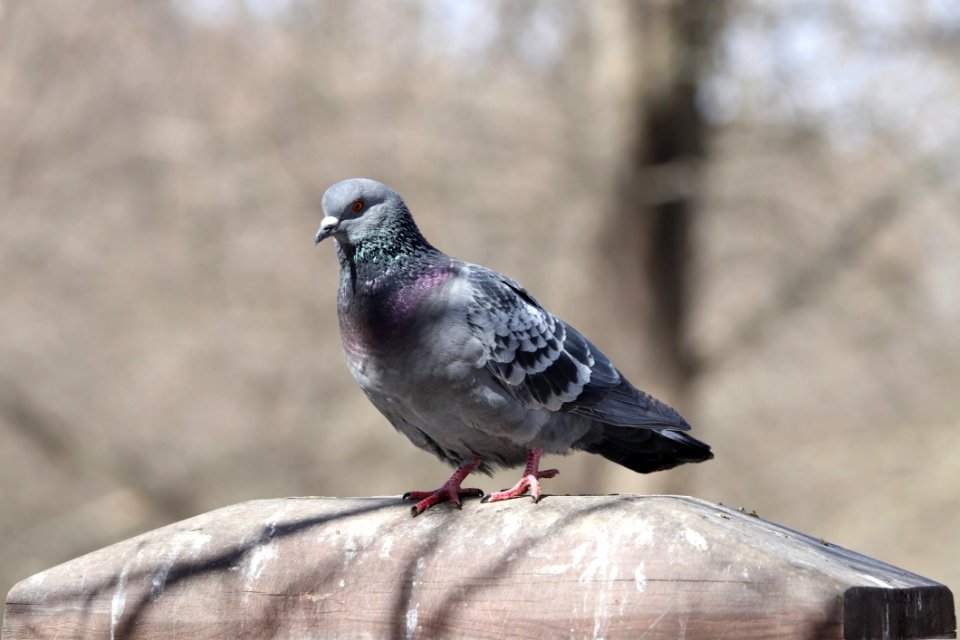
x: 570, y: 566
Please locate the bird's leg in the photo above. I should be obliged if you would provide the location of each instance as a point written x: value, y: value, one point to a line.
x: 450, y: 490
x: 529, y: 481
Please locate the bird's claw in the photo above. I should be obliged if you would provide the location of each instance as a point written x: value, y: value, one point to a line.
x: 527, y: 484
x: 428, y: 499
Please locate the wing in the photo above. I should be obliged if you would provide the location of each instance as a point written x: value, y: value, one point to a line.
x: 547, y: 364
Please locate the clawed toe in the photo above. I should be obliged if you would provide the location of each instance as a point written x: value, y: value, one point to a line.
x: 451, y: 491
x: 529, y: 483
x: 443, y: 494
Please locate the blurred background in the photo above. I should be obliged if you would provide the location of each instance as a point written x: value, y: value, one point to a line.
x: 752, y: 207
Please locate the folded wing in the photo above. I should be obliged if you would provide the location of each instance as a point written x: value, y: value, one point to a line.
x: 547, y: 364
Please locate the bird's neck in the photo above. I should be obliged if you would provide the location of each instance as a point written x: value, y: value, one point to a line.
x: 383, y: 280
x: 395, y: 247
x: 378, y: 265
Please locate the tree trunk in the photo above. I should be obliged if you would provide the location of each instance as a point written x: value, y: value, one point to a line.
x: 647, y: 247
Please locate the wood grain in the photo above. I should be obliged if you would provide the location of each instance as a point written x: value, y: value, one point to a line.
x: 570, y: 566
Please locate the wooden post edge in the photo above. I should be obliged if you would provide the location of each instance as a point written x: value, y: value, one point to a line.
x: 610, y: 566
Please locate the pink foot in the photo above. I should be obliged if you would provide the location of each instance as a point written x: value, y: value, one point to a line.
x: 450, y: 491
x: 529, y: 481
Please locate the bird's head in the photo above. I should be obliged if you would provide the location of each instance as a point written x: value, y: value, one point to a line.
x: 357, y: 209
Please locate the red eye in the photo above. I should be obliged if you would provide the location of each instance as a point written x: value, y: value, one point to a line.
x: 357, y: 205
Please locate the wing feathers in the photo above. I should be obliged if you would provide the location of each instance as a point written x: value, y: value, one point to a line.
x: 547, y: 364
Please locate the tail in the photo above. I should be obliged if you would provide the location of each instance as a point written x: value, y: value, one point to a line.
x: 645, y: 450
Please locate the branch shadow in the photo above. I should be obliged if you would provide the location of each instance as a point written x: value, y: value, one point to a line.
x: 185, y: 570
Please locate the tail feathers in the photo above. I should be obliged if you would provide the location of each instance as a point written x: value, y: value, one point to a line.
x: 646, y: 450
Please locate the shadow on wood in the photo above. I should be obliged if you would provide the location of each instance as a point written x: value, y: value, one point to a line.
x: 572, y: 566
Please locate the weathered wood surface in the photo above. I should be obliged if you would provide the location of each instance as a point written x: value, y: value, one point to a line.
x: 570, y: 566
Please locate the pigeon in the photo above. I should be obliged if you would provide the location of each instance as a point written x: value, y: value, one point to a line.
x: 464, y: 362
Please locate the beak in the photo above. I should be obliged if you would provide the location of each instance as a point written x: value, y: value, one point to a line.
x: 328, y: 227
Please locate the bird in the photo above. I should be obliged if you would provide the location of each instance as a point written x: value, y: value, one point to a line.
x: 465, y: 363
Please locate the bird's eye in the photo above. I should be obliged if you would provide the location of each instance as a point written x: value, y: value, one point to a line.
x: 357, y: 205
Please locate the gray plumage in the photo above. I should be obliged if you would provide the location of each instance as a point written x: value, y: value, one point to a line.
x: 467, y: 364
